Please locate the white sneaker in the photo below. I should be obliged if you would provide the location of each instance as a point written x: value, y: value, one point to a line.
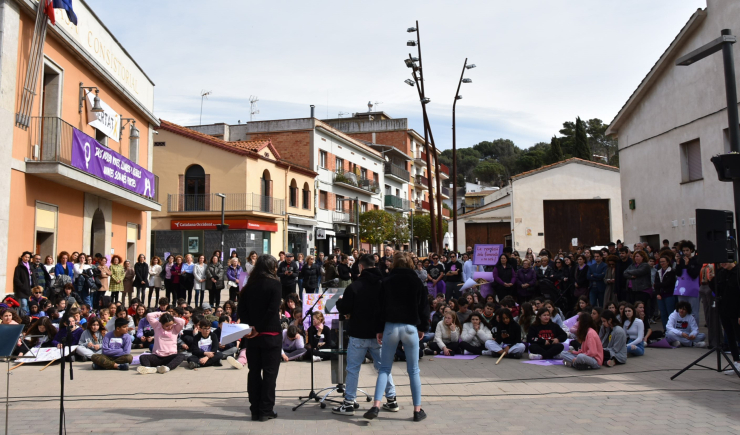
x: 700, y: 344
x: 465, y: 352
x: 162, y: 369
x: 535, y: 356
x: 486, y: 353
x: 676, y: 343
x: 146, y: 370
x: 732, y: 372
x: 316, y: 358
x: 234, y: 363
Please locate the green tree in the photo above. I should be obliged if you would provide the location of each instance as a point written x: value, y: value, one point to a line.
x: 581, y: 148
x: 600, y: 143
x: 422, y: 227
x: 376, y: 226
x: 556, y: 152
x: 400, y: 232
x: 567, y: 142
x: 489, y: 171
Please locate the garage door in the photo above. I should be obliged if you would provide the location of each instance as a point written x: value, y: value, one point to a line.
x: 585, y: 219
x: 495, y: 232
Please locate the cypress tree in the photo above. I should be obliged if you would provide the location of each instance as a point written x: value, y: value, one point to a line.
x: 556, y: 152
x: 582, y: 149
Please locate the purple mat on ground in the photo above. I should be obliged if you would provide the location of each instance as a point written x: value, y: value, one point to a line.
x: 545, y: 362
x: 136, y: 360
x: 663, y: 344
x: 457, y: 356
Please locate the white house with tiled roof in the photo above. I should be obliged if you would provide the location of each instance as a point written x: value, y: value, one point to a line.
x: 548, y: 208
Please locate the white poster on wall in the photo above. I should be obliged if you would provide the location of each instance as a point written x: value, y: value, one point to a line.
x: 107, y: 121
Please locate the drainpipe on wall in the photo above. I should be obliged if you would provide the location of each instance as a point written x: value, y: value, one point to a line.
x: 285, y: 217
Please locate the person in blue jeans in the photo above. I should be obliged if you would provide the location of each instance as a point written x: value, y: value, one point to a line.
x: 361, y: 304
x: 404, y: 314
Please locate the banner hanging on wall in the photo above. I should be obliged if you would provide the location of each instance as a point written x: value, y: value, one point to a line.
x: 90, y: 156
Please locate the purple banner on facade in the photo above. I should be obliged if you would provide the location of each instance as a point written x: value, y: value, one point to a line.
x: 90, y: 156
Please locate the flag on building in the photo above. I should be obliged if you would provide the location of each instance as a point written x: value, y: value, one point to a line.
x: 49, y: 10
x: 67, y: 6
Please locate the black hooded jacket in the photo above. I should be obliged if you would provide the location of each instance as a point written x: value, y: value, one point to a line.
x: 361, y: 301
x: 404, y: 299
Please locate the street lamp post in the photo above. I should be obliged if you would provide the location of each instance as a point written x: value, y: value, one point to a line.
x: 223, y: 227
x: 454, y: 153
x: 726, y: 164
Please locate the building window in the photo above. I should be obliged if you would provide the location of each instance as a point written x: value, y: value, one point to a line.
x: 46, y: 229
x: 691, y: 161
x: 322, y: 159
x: 323, y: 200
x: 363, y: 207
x: 363, y: 173
x: 339, y: 203
x: 306, y: 197
x: 293, y: 194
x: 195, y: 188
x: 340, y: 165
x: 101, y: 137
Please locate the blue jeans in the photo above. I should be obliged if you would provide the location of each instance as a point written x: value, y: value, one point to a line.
x: 24, y: 306
x: 356, y: 351
x: 638, y: 351
x: 666, y: 305
x: 597, y: 297
x: 409, y: 337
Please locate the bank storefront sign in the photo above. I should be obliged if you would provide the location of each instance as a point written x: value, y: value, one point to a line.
x: 107, y: 122
x: 95, y: 159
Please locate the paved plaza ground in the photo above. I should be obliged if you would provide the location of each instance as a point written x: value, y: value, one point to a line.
x: 474, y: 396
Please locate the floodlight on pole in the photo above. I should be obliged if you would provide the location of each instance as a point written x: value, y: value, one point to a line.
x: 467, y: 80
x: 409, y: 63
x: 411, y: 29
x: 425, y: 100
x: 471, y: 66
x: 411, y: 43
x: 409, y: 82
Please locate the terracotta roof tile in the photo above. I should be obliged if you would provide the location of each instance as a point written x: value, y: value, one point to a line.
x: 481, y: 210
x: 254, y: 146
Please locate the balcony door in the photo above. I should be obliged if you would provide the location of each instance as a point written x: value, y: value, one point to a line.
x: 266, y: 192
x: 97, y: 233
x: 51, y: 107
x: 195, y: 188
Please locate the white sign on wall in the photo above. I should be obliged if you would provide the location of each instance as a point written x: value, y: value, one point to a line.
x: 107, y: 121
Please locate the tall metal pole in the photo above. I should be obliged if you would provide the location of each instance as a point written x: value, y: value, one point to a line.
x: 411, y: 222
x: 732, y: 115
x: 223, y: 223
x: 454, y: 162
x: 420, y: 88
x: 357, y: 216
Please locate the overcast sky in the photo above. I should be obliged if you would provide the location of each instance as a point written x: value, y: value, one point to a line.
x: 539, y: 63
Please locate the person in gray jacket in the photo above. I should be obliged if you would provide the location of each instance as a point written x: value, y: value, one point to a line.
x: 91, y: 340
x: 613, y: 339
x: 638, y: 278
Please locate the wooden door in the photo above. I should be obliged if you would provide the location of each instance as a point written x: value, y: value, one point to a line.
x: 494, y: 232
x: 585, y: 219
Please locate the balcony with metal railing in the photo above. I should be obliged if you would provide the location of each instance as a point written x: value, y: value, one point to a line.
x: 398, y: 172
x: 445, y: 192
x: 420, y: 158
x: 397, y: 203
x: 421, y: 182
x: 355, y: 182
x: 422, y: 206
x: 50, y: 157
x: 343, y: 217
x: 444, y: 171
x: 234, y: 202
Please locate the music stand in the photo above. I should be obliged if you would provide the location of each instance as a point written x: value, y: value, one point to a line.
x: 9, y: 336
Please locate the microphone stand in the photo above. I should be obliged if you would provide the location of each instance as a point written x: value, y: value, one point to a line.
x: 309, y: 314
x: 67, y: 345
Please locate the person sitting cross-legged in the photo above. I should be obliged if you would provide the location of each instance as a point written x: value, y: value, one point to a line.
x: 591, y: 353
x: 507, y: 339
x: 204, y: 343
x: 682, y: 328
x: 116, y: 353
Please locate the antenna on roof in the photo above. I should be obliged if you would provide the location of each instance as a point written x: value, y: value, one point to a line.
x: 203, y: 96
x: 342, y: 114
x: 377, y: 103
x: 253, y: 99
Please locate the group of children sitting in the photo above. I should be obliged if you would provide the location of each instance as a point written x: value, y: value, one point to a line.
x: 586, y: 338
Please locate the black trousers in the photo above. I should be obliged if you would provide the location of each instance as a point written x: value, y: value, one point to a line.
x: 453, y: 347
x: 548, y: 351
x: 729, y: 323
x: 475, y: 350
x: 263, y: 360
x: 288, y: 289
x: 214, y: 295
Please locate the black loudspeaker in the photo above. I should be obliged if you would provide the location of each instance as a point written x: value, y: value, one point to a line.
x: 715, y: 236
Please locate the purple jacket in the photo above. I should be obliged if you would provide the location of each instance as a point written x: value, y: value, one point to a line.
x: 143, y: 326
x: 61, y: 336
x: 233, y: 274
x: 116, y: 349
x: 526, y: 276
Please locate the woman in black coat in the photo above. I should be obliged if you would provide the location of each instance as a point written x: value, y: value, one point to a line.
x: 141, y: 279
x: 581, y: 278
x: 311, y: 275
x: 264, y: 344
x: 22, y: 282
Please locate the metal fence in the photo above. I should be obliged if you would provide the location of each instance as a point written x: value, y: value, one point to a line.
x: 211, y: 202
